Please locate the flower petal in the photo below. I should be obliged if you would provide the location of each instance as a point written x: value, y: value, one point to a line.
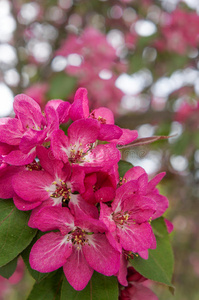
x: 24, y: 205
x: 52, y: 218
x: 28, y: 111
x: 136, y: 237
x: 101, y: 256
x: 80, y: 107
x: 50, y: 252
x: 77, y: 270
x: 32, y: 186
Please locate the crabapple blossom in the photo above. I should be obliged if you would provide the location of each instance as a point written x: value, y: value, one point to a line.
x: 70, y: 183
x: 80, y: 247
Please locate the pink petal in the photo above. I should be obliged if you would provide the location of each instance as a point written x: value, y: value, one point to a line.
x: 122, y: 274
x: 52, y: 218
x: 103, y: 157
x: 109, y: 132
x: 52, y: 121
x: 50, y: 252
x: 62, y: 108
x: 153, y: 182
x: 144, y: 254
x: 80, y: 107
x: 59, y: 142
x: 141, y: 208
x: 28, y: 111
x: 104, y: 113
x: 54, y: 103
x: 101, y: 256
x: 5, y: 148
x: 11, y: 131
x: 105, y: 194
x: 123, y: 193
x: 169, y: 225
x: 106, y: 217
x: 142, y: 182
x: 114, y: 240
x: 134, y: 173
x: 6, y: 175
x: 162, y: 204
x: 32, y: 186
x: 79, y: 207
x: 137, y: 291
x: 24, y: 205
x: 18, y: 158
x: 77, y: 180
x: 84, y: 131
x: 31, y: 139
x: 90, y: 224
x: 136, y: 237
x: 77, y: 270
x: 48, y: 161
x: 63, y: 112
x: 35, y: 211
x: 127, y: 137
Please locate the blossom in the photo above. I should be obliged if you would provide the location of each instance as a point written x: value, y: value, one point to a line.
x: 177, y: 36
x: 50, y: 183
x: 80, y: 247
x: 136, y: 203
x: 136, y: 289
x: 100, y: 57
x: 108, y: 131
x: 80, y: 147
x: 92, y: 62
x: 29, y: 128
x: 127, y: 219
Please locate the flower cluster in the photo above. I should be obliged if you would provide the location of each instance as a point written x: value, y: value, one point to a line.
x: 95, y: 67
x: 176, y: 35
x: 95, y: 220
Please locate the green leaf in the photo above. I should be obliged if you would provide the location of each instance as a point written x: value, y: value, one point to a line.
x: 7, y: 270
x: 25, y: 255
x: 49, y: 288
x: 100, y: 287
x: 159, y: 265
x: 61, y: 86
x: 15, y: 235
x: 123, y: 167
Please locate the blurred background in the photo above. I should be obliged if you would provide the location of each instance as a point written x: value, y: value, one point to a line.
x: 139, y: 58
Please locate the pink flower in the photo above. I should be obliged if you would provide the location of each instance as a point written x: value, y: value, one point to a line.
x: 100, y: 57
x: 108, y: 131
x: 127, y: 219
x: 80, y: 247
x: 80, y: 147
x: 52, y: 184
x: 148, y: 188
x: 92, y: 61
x: 137, y: 202
x: 177, y: 36
x: 136, y: 290
x: 27, y: 130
